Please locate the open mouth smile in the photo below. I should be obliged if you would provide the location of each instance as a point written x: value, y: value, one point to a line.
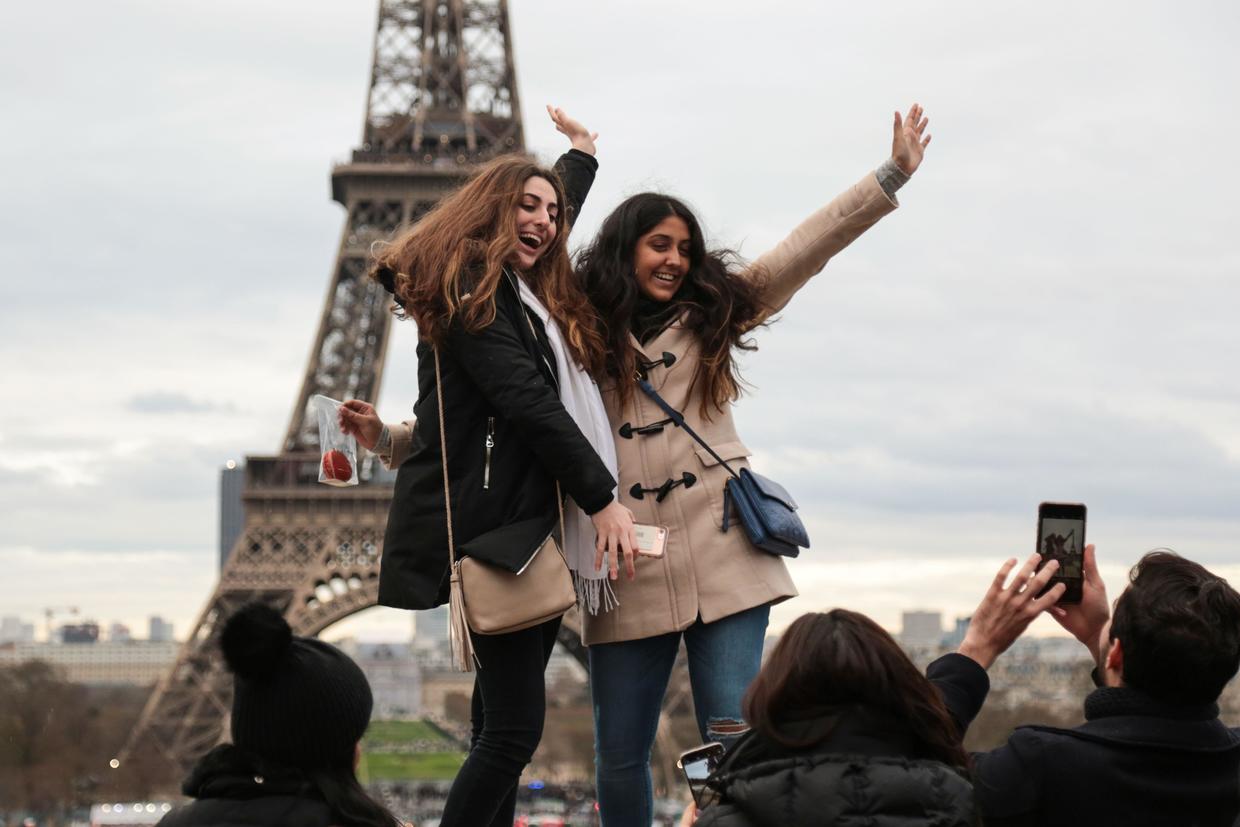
x: 530, y: 241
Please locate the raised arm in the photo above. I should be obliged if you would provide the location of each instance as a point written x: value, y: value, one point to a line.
x: 807, y: 249
x: 577, y: 166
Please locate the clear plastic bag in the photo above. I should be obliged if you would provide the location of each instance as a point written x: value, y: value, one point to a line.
x: 337, y: 451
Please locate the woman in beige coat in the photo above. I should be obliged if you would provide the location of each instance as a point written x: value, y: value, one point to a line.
x: 674, y: 312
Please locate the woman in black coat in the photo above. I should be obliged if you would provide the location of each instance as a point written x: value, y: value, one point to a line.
x: 844, y: 729
x: 479, y: 274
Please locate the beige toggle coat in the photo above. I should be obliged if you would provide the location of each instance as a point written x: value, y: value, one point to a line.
x: 706, y: 572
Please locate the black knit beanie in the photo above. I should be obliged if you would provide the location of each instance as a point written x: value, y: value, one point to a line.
x: 297, y: 701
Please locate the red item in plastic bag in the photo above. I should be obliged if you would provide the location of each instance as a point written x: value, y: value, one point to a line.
x: 336, y: 466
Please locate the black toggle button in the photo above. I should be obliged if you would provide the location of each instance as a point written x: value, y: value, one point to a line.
x: 627, y: 429
x: 638, y: 493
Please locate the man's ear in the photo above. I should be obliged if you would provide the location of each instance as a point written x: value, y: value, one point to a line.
x: 1114, y: 661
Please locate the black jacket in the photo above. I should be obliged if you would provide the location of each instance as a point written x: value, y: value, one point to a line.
x: 499, y: 382
x: 236, y: 789
x: 1134, y: 762
x: 866, y: 771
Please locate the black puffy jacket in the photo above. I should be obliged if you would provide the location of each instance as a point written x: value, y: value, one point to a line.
x: 865, y: 772
x: 235, y: 789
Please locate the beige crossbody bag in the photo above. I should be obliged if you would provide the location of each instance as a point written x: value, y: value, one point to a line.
x: 489, y: 600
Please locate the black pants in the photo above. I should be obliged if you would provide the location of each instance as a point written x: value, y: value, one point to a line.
x: 509, y: 706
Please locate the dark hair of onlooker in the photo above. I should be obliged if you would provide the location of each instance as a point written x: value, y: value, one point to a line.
x: 720, y: 304
x: 842, y: 658
x: 302, y: 704
x: 1179, y: 626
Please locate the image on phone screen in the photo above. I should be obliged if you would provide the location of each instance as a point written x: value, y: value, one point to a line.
x: 697, y: 765
x: 1061, y: 540
x: 1061, y: 537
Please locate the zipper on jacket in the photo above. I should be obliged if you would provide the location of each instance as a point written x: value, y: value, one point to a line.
x: 486, y: 470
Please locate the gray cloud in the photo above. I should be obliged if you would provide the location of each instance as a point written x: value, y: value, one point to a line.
x: 1049, y: 314
x: 174, y: 402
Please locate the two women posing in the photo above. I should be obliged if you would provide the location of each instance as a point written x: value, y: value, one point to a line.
x: 538, y: 365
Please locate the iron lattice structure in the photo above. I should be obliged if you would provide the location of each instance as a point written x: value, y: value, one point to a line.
x: 443, y: 97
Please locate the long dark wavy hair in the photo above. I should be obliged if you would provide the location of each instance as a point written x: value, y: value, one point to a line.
x: 842, y: 658
x: 719, y: 301
x: 449, y: 264
x: 350, y: 804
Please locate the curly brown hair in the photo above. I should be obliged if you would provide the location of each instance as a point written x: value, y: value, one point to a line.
x: 446, y: 268
x: 720, y: 301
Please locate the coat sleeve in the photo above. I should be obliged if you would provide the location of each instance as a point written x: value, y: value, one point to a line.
x: 496, y: 360
x: 963, y: 684
x: 807, y: 249
x: 576, y: 169
x: 402, y: 439
x: 1005, y: 780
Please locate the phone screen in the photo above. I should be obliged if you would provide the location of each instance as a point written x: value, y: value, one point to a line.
x: 698, y: 764
x: 1061, y: 536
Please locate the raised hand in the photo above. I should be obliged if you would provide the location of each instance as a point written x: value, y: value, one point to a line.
x: 907, y: 144
x: 582, y: 138
x: 1086, y: 620
x: 1006, y: 611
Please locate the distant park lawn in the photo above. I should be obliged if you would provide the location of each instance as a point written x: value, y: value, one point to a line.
x: 398, y: 732
x: 430, y: 766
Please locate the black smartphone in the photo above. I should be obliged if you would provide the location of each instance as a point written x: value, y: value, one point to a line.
x: 1061, y: 536
x: 697, y: 764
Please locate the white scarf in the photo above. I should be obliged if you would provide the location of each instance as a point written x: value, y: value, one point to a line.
x: 581, y: 398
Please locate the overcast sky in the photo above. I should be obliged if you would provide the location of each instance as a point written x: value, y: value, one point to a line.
x: 1050, y: 315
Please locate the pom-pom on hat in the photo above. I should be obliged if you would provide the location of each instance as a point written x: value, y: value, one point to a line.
x: 297, y: 701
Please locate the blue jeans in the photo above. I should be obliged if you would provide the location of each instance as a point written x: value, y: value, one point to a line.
x: 628, y: 681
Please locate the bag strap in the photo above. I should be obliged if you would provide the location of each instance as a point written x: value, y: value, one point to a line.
x: 447, y: 491
x: 678, y: 418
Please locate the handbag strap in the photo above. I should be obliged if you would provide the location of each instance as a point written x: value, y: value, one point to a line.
x: 447, y: 491
x: 678, y: 418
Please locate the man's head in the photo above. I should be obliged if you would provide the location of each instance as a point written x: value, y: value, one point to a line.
x: 1177, y: 630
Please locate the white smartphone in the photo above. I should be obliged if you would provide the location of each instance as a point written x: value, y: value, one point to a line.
x: 651, y: 539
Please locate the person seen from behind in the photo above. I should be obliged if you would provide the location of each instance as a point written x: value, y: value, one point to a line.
x: 1152, y: 750
x: 300, y: 708
x: 843, y: 727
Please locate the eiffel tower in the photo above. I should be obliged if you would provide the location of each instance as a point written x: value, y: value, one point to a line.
x: 443, y: 97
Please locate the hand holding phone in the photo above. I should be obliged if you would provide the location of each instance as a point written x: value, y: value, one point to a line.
x: 1061, y: 536
x: 651, y: 539
x: 698, y: 764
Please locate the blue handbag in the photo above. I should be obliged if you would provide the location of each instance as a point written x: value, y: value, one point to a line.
x: 765, y: 508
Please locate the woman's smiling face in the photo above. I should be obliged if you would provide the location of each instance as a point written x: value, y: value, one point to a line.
x: 535, y: 216
x: 661, y: 259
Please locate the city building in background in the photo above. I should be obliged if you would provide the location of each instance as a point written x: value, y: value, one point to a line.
x: 119, y: 633
x: 133, y: 662
x: 15, y: 630
x: 430, y: 629
x: 159, y: 630
x: 85, y: 632
x: 394, y: 674
x: 232, y: 513
x: 921, y: 628
x: 955, y: 637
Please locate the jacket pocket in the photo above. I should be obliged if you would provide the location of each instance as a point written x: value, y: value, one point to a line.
x: 490, y: 447
x: 715, y: 476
